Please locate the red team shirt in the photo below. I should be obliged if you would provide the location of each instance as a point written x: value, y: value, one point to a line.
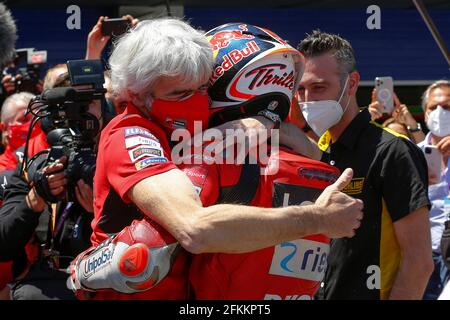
x: 133, y: 148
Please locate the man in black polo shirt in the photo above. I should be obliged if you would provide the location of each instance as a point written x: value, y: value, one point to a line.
x: 390, y: 255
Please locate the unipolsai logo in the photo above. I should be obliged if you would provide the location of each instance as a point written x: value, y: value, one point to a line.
x: 97, y: 261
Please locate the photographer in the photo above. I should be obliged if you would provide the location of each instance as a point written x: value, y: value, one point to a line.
x: 61, y: 230
x: 23, y: 73
x: 7, y: 42
x: 10, y: 85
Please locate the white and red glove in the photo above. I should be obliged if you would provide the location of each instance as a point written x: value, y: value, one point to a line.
x: 134, y: 260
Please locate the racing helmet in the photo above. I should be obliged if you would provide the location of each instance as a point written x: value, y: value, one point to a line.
x: 254, y: 70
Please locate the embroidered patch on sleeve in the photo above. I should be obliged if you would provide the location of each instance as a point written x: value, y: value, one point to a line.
x: 144, y: 151
x: 140, y: 140
x: 134, y: 131
x: 149, y: 161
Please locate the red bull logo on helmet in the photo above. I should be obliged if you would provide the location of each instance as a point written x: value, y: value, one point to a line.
x: 233, y: 58
x: 222, y: 39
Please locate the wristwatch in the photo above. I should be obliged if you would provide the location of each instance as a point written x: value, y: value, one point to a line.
x: 410, y: 129
x: 272, y: 116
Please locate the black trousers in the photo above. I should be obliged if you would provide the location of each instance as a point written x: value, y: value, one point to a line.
x: 42, y: 283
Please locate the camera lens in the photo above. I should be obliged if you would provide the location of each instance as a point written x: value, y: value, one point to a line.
x: 427, y: 150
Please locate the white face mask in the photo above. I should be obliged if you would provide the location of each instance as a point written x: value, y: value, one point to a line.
x: 439, y: 122
x: 323, y: 114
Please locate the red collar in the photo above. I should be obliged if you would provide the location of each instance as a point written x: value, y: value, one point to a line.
x: 131, y: 108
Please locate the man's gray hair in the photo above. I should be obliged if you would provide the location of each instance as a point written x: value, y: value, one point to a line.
x: 164, y: 47
x: 8, y: 36
x: 431, y: 87
x: 319, y: 42
x: 9, y: 107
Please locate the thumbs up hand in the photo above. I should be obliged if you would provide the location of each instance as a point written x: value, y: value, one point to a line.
x: 340, y: 214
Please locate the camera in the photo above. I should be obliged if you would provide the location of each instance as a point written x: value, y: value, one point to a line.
x: 27, y: 64
x: 71, y: 129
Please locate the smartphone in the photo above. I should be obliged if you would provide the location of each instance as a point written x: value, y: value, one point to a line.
x: 434, y: 161
x: 115, y: 27
x: 385, y: 92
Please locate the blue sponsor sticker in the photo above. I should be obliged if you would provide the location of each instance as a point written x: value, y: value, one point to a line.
x: 149, y: 161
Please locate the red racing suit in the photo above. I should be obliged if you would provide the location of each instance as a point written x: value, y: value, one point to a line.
x: 290, y: 270
x: 133, y: 148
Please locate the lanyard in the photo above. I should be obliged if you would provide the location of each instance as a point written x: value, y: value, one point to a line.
x: 61, y: 219
x: 50, y: 253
